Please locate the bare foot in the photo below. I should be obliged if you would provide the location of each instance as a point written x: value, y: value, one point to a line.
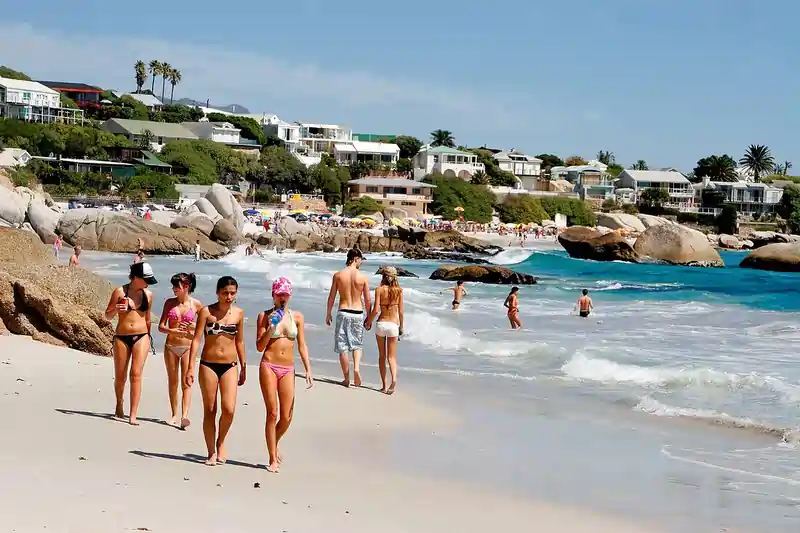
x: 132, y: 421
x: 273, y: 467
x: 212, y: 460
x: 345, y: 382
x: 173, y: 421
x: 119, y: 412
x: 391, y: 388
x: 222, y: 457
x: 357, y: 378
x: 185, y: 423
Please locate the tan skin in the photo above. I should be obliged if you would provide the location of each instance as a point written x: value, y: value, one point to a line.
x: 351, y: 286
x: 218, y: 349
x: 584, y: 303
x: 387, y: 310
x: 459, y: 291
x: 179, y: 334
x: 279, y: 394
x: 76, y: 253
x: 513, y: 310
x: 131, y: 321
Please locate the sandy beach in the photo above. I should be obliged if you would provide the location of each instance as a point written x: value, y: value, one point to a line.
x: 69, y: 466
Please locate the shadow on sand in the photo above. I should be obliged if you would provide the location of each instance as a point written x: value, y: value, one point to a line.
x: 192, y: 458
x: 112, y: 418
x: 338, y: 383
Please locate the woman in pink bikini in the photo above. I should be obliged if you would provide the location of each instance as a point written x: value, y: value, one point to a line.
x: 278, y: 330
x: 177, y: 322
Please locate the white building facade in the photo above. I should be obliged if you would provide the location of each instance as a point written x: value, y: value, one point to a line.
x: 288, y: 133
x: 220, y: 132
x: 366, y: 152
x: 750, y: 198
x: 318, y: 138
x: 446, y: 161
x: 34, y: 102
x: 680, y: 190
x: 526, y: 168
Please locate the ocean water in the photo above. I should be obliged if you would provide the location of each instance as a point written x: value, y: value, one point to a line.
x: 676, y: 401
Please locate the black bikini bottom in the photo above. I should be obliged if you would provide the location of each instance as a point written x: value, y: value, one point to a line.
x: 219, y: 368
x: 456, y: 302
x: 130, y: 340
x: 584, y: 314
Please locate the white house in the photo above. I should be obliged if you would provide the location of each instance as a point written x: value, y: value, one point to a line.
x: 362, y: 151
x: 317, y: 138
x: 14, y: 157
x: 525, y: 167
x: 446, y: 161
x: 34, y: 102
x: 287, y: 132
x: 221, y: 132
x: 750, y: 198
x: 680, y: 190
x: 148, y: 100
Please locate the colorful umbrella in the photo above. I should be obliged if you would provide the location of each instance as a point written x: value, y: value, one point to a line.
x: 395, y: 222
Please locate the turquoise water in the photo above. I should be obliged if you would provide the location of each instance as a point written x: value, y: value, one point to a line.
x: 678, y: 398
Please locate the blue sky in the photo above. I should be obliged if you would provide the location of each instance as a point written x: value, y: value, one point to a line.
x: 668, y: 82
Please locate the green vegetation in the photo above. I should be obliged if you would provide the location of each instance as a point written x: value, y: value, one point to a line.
x: 477, y: 200
x: 653, y: 199
x: 577, y: 211
x: 790, y: 207
x: 250, y: 128
x: 58, y: 139
x: 521, y: 208
x: 11, y: 74
x: 726, y: 221
x: 716, y: 168
x: 758, y: 159
x: 156, y: 69
x: 496, y: 176
x: 204, y: 162
x: 362, y: 206
x: 443, y: 138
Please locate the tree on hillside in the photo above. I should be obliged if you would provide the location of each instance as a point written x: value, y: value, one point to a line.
x: 251, y: 129
x: 782, y: 168
x: 758, y: 160
x: 790, y: 207
x: 140, y: 70
x: 404, y: 166
x: 11, y: 74
x: 166, y: 68
x: 716, y: 168
x: 606, y: 157
x: 283, y: 171
x: 480, y: 178
x: 409, y: 146
x: 549, y: 161
x: 174, y: 78
x: 362, y: 206
x: 654, y: 197
x: 640, y: 165
x: 521, y: 208
x: 477, y: 200
x: 155, y: 71
x: 496, y: 176
x: 443, y: 138
x: 574, y: 160
x: 146, y: 140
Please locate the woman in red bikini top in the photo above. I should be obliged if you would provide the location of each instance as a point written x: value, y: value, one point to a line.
x: 277, y: 332
x: 178, y: 320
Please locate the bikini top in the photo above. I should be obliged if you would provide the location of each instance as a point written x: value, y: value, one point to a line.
x: 291, y: 331
x: 144, y: 305
x: 188, y: 316
x: 215, y: 328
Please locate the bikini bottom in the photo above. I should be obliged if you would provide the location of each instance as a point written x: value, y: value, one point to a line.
x: 219, y: 368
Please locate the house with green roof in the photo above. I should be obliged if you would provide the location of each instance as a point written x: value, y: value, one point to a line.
x: 447, y: 161
x: 161, y: 132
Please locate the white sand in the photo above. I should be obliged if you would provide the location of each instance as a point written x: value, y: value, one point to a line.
x: 139, y: 477
x: 512, y: 241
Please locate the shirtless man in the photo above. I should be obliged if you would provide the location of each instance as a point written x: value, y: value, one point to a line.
x: 352, y: 287
x: 513, y: 310
x: 458, y: 292
x: 76, y: 253
x: 585, y: 304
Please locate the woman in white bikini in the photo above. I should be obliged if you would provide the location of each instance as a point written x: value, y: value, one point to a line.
x: 277, y: 332
x: 388, y: 307
x: 177, y: 321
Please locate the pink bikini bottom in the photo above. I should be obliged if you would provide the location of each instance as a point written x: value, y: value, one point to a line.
x: 279, y: 370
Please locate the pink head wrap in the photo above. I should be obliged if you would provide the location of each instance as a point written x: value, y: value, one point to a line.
x: 282, y: 286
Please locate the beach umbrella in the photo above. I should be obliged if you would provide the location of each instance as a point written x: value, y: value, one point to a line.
x: 368, y: 221
x: 298, y: 212
x: 395, y: 221
x: 412, y: 221
x: 459, y: 209
x: 251, y: 212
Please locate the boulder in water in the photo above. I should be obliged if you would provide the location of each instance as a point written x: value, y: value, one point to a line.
x: 581, y: 242
x: 677, y: 245
x: 483, y: 274
x: 778, y: 257
x: 620, y: 221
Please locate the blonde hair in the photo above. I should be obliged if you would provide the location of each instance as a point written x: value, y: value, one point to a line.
x: 389, y: 279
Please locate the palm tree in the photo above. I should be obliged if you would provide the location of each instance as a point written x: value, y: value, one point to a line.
x: 606, y: 157
x: 640, y: 165
x: 141, y: 75
x: 174, y: 77
x: 722, y: 168
x: 480, y: 178
x: 166, y: 68
x: 155, y: 71
x: 786, y: 166
x: 443, y: 138
x: 758, y: 160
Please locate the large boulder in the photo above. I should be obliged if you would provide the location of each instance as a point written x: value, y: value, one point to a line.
x: 395, y: 212
x: 43, y: 220
x: 202, y: 205
x: 289, y: 227
x: 729, y: 241
x: 458, y: 242
x: 763, y: 238
x: 272, y: 240
x: 225, y: 232
x: 483, y: 274
x: 411, y: 234
x: 96, y: 229
x: 12, y: 207
x: 620, y: 221
x: 587, y: 243
x: 49, y: 302
x: 226, y: 205
x: 651, y: 220
x: 196, y: 220
x: 778, y: 257
x: 677, y: 245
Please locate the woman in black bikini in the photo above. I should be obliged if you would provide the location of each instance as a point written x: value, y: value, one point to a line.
x: 222, y: 325
x: 132, y: 303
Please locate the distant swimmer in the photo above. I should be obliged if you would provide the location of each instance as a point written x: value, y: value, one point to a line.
x: 76, y: 253
x: 459, y: 291
x: 513, y: 309
x: 584, y: 303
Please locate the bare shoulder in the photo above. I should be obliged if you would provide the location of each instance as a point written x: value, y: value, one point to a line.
x: 298, y: 317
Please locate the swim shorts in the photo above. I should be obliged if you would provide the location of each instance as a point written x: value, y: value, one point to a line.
x: 387, y: 329
x: 584, y: 314
x: 349, y: 331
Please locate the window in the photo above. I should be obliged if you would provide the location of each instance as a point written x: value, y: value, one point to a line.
x: 436, y: 159
x: 372, y: 189
x: 416, y: 191
x: 409, y: 203
x: 391, y: 203
x: 26, y: 96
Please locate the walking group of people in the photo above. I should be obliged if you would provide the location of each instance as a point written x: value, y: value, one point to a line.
x: 216, y: 333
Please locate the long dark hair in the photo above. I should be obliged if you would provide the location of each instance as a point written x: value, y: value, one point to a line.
x: 226, y: 281
x: 182, y: 278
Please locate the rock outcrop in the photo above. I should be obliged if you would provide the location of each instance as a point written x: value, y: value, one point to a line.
x: 778, y: 257
x: 651, y: 220
x: 195, y: 220
x: 226, y: 205
x: 49, y: 302
x: 401, y: 272
x: 587, y: 243
x: 226, y: 233
x: 483, y: 274
x: 420, y: 252
x: 621, y: 221
x: 96, y: 229
x: 731, y: 242
x: 763, y: 238
x: 12, y: 207
x: 677, y: 245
